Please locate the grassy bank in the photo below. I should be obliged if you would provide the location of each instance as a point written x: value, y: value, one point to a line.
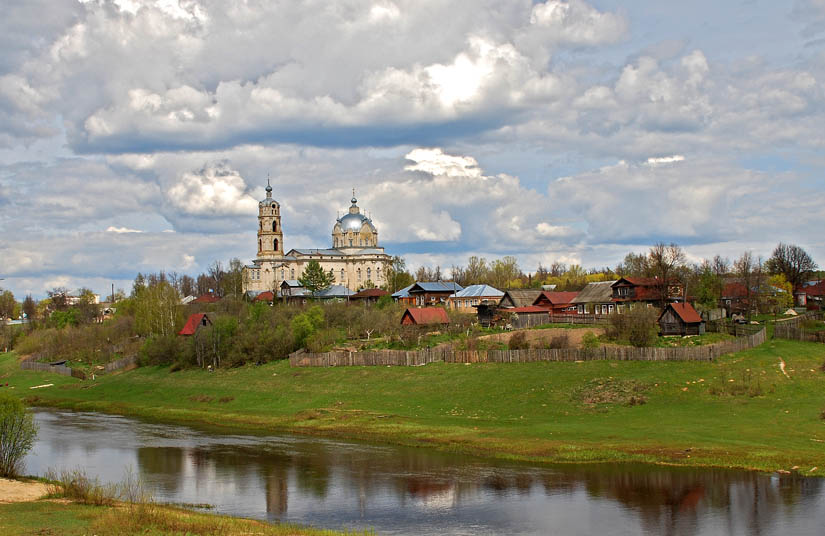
x: 740, y: 411
x: 69, y: 518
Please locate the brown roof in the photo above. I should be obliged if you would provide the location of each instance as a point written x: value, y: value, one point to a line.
x: 522, y: 297
x: 814, y: 290
x: 426, y: 315
x: 193, y: 323
x: 369, y: 293
x: 557, y: 298
x: 734, y: 290
x: 266, y: 295
x: 686, y: 312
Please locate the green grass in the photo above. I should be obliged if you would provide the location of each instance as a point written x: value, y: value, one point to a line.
x: 70, y: 519
x: 679, y: 342
x: 693, y: 414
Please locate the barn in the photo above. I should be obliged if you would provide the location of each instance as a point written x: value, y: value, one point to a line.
x: 194, y: 323
x: 681, y: 319
x: 419, y: 316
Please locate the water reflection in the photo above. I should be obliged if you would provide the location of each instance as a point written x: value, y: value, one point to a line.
x: 415, y: 491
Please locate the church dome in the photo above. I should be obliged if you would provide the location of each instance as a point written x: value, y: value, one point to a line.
x: 354, y: 220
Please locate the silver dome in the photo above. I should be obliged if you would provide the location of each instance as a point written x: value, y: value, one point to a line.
x: 353, y: 222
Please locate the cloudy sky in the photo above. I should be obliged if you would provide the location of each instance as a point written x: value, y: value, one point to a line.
x: 137, y: 135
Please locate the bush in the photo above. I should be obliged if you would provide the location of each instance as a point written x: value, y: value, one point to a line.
x: 306, y: 323
x: 322, y: 340
x: 590, y: 341
x: 518, y: 341
x: 636, y: 326
x: 17, y: 434
x: 162, y: 350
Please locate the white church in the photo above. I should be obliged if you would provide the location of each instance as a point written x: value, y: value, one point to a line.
x: 355, y: 258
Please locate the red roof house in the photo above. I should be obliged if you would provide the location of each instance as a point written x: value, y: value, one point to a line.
x: 194, y: 323
x: 556, y: 302
x: 681, y: 319
x: 645, y: 289
x: 417, y: 316
x: 369, y: 295
x: 265, y: 296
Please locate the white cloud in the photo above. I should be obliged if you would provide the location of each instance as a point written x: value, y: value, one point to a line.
x: 214, y: 189
x: 113, y: 229
x: 577, y: 23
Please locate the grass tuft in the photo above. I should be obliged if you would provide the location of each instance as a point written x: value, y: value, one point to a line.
x: 611, y: 391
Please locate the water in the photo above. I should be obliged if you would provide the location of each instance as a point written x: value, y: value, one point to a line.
x: 394, y: 490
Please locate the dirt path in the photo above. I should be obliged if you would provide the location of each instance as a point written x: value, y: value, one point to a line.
x: 16, y: 491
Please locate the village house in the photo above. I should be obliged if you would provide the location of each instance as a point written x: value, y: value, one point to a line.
x: 369, y: 295
x: 432, y: 292
x: 520, y: 297
x: 556, y: 303
x: 466, y: 299
x: 681, y: 319
x: 595, y: 298
x: 403, y: 295
x: 648, y: 290
x: 194, y: 323
x: 811, y: 295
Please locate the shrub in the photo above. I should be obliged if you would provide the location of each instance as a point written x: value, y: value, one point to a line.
x: 161, y: 350
x: 322, y: 340
x: 17, y: 434
x: 560, y: 341
x: 590, y: 341
x: 306, y: 323
x: 636, y: 326
x: 518, y: 341
x: 611, y: 391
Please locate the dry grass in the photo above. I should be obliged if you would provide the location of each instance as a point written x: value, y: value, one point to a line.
x: 611, y: 391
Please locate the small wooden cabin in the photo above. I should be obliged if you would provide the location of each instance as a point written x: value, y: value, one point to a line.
x: 418, y: 316
x: 681, y: 319
x: 194, y: 323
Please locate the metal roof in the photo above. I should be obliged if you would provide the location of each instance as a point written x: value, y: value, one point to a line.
x: 403, y: 293
x: 477, y: 291
x: 437, y: 286
x: 334, y: 291
x: 599, y: 292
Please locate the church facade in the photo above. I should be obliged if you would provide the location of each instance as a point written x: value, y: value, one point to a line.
x: 355, y: 258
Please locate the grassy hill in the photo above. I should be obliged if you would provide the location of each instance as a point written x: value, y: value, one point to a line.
x: 741, y: 411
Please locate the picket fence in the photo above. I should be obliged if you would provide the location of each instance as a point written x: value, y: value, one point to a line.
x: 447, y: 355
x: 57, y: 369
x: 792, y: 329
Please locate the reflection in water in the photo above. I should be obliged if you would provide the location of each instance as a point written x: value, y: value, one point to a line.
x: 416, y: 491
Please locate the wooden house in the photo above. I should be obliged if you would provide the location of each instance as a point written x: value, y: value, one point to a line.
x: 811, y: 295
x: 519, y: 297
x: 649, y: 290
x: 369, y: 295
x: 433, y: 292
x: 556, y: 303
x: 419, y: 316
x: 469, y: 297
x: 680, y: 319
x: 596, y: 298
x: 403, y: 295
x: 266, y: 296
x: 194, y: 323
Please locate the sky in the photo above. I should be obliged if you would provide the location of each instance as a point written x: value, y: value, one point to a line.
x: 138, y: 135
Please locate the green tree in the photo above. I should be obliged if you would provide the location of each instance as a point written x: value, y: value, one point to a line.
x: 791, y: 261
x: 17, y: 434
x: 314, y: 278
x: 397, y: 275
x: 157, y: 309
x: 708, y: 290
x: 305, y: 324
x: 30, y: 308
x: 7, y: 304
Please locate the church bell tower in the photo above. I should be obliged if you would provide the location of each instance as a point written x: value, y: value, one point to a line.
x: 270, y: 234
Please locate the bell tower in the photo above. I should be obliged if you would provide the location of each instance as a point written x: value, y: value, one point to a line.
x: 270, y: 234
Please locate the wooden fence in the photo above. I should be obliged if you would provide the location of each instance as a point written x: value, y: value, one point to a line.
x: 447, y: 355
x: 57, y: 369
x: 121, y: 363
x: 792, y: 329
x: 532, y: 320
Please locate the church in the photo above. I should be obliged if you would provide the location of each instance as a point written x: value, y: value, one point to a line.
x: 355, y: 259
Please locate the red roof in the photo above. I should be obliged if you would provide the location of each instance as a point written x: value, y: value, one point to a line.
x: 193, y: 323
x: 266, y: 295
x: 556, y: 298
x: 206, y: 298
x: 640, y: 281
x: 528, y: 309
x: 734, y: 290
x: 369, y: 293
x: 814, y: 290
x: 686, y: 312
x: 425, y: 315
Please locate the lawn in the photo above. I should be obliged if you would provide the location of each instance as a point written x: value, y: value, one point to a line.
x: 740, y: 411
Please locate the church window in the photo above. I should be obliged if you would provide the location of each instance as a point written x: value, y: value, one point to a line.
x: 282, y: 273
x: 275, y: 244
x: 273, y: 205
x: 350, y: 242
x: 359, y: 274
x: 342, y: 275
x: 292, y: 273
x: 274, y: 226
x: 259, y: 246
x: 369, y: 274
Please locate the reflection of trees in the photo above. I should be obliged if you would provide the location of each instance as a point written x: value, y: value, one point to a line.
x: 163, y: 465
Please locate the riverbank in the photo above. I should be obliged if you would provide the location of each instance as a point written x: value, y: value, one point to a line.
x: 71, y: 518
x: 741, y: 411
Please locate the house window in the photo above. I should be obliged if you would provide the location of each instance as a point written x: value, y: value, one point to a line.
x: 292, y: 273
x: 610, y: 308
x: 282, y: 273
x: 604, y: 309
x: 581, y: 309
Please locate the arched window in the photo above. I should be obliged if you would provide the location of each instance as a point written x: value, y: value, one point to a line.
x: 342, y: 275
x: 282, y: 274
x: 369, y: 274
x: 275, y: 244
x: 359, y: 274
x: 274, y: 225
x: 260, y: 247
x: 350, y: 242
x: 292, y: 273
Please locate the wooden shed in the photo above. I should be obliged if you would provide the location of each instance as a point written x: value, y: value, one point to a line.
x: 194, y: 323
x: 418, y: 316
x: 681, y: 319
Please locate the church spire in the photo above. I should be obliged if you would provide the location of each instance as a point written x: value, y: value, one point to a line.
x: 268, y: 187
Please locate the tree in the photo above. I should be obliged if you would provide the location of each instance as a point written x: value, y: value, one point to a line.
x: 58, y: 298
x: 503, y: 272
x: 750, y: 272
x: 791, y: 261
x: 7, y: 304
x: 665, y: 262
x: 780, y: 293
x: 186, y: 285
x: 707, y: 287
x: 397, y: 275
x: 232, y: 280
x: 634, y: 265
x: 314, y: 278
x: 139, y: 284
x: 17, y: 434
x: 157, y: 310
x: 30, y: 308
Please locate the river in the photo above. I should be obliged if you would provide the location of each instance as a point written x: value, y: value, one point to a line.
x: 405, y: 491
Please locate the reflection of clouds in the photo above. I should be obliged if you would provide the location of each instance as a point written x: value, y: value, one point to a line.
x: 400, y: 490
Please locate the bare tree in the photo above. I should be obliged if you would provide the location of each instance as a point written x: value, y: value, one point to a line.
x: 793, y: 262
x: 665, y: 262
x: 749, y: 271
